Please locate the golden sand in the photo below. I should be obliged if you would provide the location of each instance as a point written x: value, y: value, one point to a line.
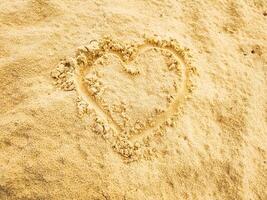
x: 133, y: 99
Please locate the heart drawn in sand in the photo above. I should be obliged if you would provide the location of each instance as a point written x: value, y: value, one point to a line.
x: 135, y: 87
x: 128, y: 93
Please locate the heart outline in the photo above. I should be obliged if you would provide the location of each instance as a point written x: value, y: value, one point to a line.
x: 82, y: 67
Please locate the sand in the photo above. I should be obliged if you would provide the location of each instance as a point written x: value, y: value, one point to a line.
x: 133, y: 99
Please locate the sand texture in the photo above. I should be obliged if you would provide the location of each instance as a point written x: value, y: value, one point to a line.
x: 133, y: 100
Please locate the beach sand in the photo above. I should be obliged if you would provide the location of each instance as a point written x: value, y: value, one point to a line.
x: 133, y: 99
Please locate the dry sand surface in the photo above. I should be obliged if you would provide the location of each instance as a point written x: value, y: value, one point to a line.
x: 133, y: 99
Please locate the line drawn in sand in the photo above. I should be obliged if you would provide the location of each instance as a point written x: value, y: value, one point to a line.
x: 133, y: 90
